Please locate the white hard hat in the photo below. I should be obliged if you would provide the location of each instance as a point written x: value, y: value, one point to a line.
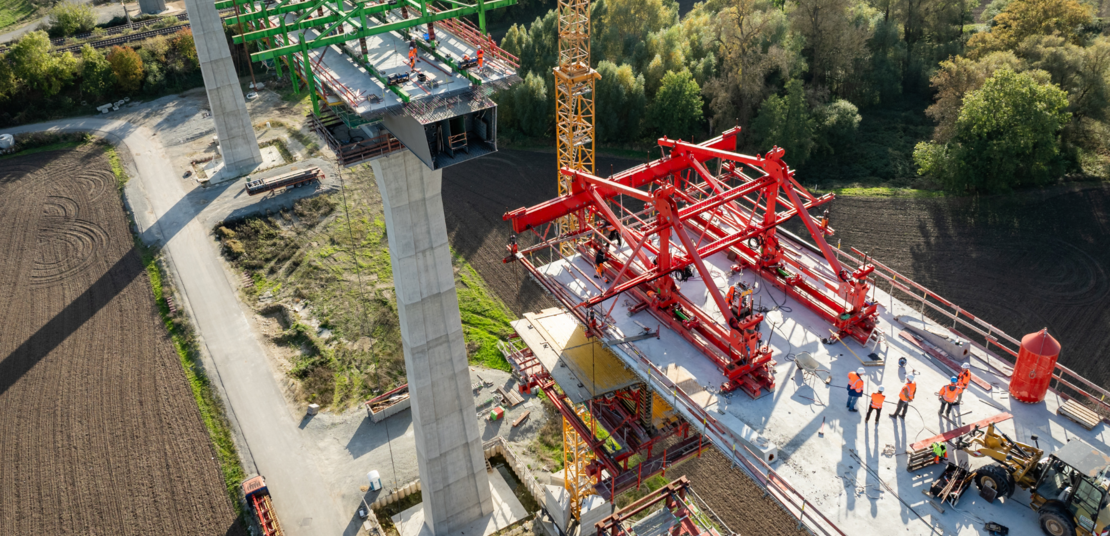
x: 859, y: 371
x: 966, y: 366
x: 881, y: 388
x: 909, y: 377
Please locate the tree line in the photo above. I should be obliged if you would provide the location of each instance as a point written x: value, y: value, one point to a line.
x: 36, y: 82
x: 1018, y: 98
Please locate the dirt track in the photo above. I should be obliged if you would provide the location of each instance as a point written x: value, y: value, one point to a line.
x: 99, y: 433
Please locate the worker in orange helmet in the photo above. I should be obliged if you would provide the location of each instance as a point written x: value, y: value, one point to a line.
x: 855, y: 388
x: 949, y: 396
x: 480, y: 60
x: 905, y: 396
x: 963, y: 380
x: 599, y: 261
x: 877, y: 399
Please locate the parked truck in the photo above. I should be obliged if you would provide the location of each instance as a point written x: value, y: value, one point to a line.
x: 285, y: 180
x: 258, y: 500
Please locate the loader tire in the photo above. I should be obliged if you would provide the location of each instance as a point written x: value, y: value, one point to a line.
x: 1056, y: 522
x: 996, y: 476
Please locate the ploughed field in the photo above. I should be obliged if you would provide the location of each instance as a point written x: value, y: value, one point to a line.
x: 99, y: 431
x: 1021, y: 262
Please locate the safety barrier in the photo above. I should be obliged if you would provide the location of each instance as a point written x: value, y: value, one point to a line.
x: 1068, y: 383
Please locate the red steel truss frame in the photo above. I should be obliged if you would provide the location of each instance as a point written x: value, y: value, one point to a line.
x: 737, y: 211
x: 626, y: 426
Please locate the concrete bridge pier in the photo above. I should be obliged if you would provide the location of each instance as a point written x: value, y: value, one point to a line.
x: 238, y: 144
x: 454, y: 483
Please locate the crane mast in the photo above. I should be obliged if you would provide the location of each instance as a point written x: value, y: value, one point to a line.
x: 574, y: 135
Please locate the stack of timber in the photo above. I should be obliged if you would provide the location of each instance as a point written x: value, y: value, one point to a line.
x: 1079, y: 413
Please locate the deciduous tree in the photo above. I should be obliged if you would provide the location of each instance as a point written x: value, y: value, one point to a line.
x: 45, y: 74
x: 97, y: 78
x: 786, y: 122
x: 619, y: 96
x: 1026, y: 18
x: 70, y: 18
x: 1006, y: 136
x: 676, y: 111
x: 128, y: 68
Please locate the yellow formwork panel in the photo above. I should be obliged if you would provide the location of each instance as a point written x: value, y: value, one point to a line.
x: 661, y: 412
x: 592, y: 363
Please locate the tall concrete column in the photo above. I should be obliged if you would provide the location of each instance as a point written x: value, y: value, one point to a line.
x: 238, y: 144
x: 453, y: 480
x: 152, y: 6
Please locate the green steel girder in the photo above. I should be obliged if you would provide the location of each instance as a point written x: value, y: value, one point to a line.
x: 281, y: 8
x: 304, y: 23
x: 322, y: 40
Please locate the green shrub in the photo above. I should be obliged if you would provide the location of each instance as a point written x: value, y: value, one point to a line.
x: 70, y: 18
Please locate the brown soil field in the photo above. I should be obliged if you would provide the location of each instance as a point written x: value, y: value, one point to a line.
x: 1022, y: 262
x: 99, y: 431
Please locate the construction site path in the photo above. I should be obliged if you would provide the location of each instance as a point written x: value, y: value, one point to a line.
x: 266, y: 430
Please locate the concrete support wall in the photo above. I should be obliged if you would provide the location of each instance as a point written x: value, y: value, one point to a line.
x: 152, y: 6
x: 238, y: 144
x: 456, y: 489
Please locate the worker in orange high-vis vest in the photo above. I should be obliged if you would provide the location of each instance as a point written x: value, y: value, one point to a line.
x: 905, y: 396
x: 949, y: 396
x: 480, y: 59
x: 412, y: 56
x: 876, y: 405
x: 963, y: 380
x: 855, y: 388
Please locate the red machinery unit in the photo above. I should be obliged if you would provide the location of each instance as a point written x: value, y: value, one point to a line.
x: 688, y: 215
x: 258, y: 498
x: 1036, y: 361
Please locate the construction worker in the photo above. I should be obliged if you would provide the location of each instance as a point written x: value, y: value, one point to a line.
x: 876, y: 405
x: 615, y: 236
x: 949, y: 396
x: 480, y: 60
x: 855, y: 388
x: 599, y: 261
x: 905, y: 396
x: 963, y: 380
x: 940, y: 450
x: 412, y: 55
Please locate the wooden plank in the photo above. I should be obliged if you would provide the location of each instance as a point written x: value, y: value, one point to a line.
x: 945, y: 360
x: 1080, y: 415
x: 521, y: 418
x: 957, y: 432
x: 868, y: 363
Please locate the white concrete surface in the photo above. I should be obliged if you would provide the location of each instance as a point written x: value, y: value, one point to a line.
x: 238, y: 144
x: 829, y: 471
x: 452, y: 468
x: 267, y: 434
x: 506, y: 511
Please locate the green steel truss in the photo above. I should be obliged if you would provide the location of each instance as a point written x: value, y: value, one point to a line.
x: 325, y: 16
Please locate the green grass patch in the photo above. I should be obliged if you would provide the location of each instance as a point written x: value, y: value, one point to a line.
x: 485, y: 319
x: 117, y: 166
x: 332, y: 251
x: 13, y: 12
x: 883, y: 191
x: 41, y: 142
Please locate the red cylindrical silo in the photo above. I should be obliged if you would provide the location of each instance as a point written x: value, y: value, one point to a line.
x: 1035, y: 363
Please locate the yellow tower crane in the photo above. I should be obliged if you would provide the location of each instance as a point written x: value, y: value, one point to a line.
x: 574, y: 138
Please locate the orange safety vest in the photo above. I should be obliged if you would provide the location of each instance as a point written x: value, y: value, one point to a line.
x: 950, y: 393
x: 877, y: 400
x: 963, y: 379
x: 908, y: 392
x: 855, y: 383
x: 479, y: 57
